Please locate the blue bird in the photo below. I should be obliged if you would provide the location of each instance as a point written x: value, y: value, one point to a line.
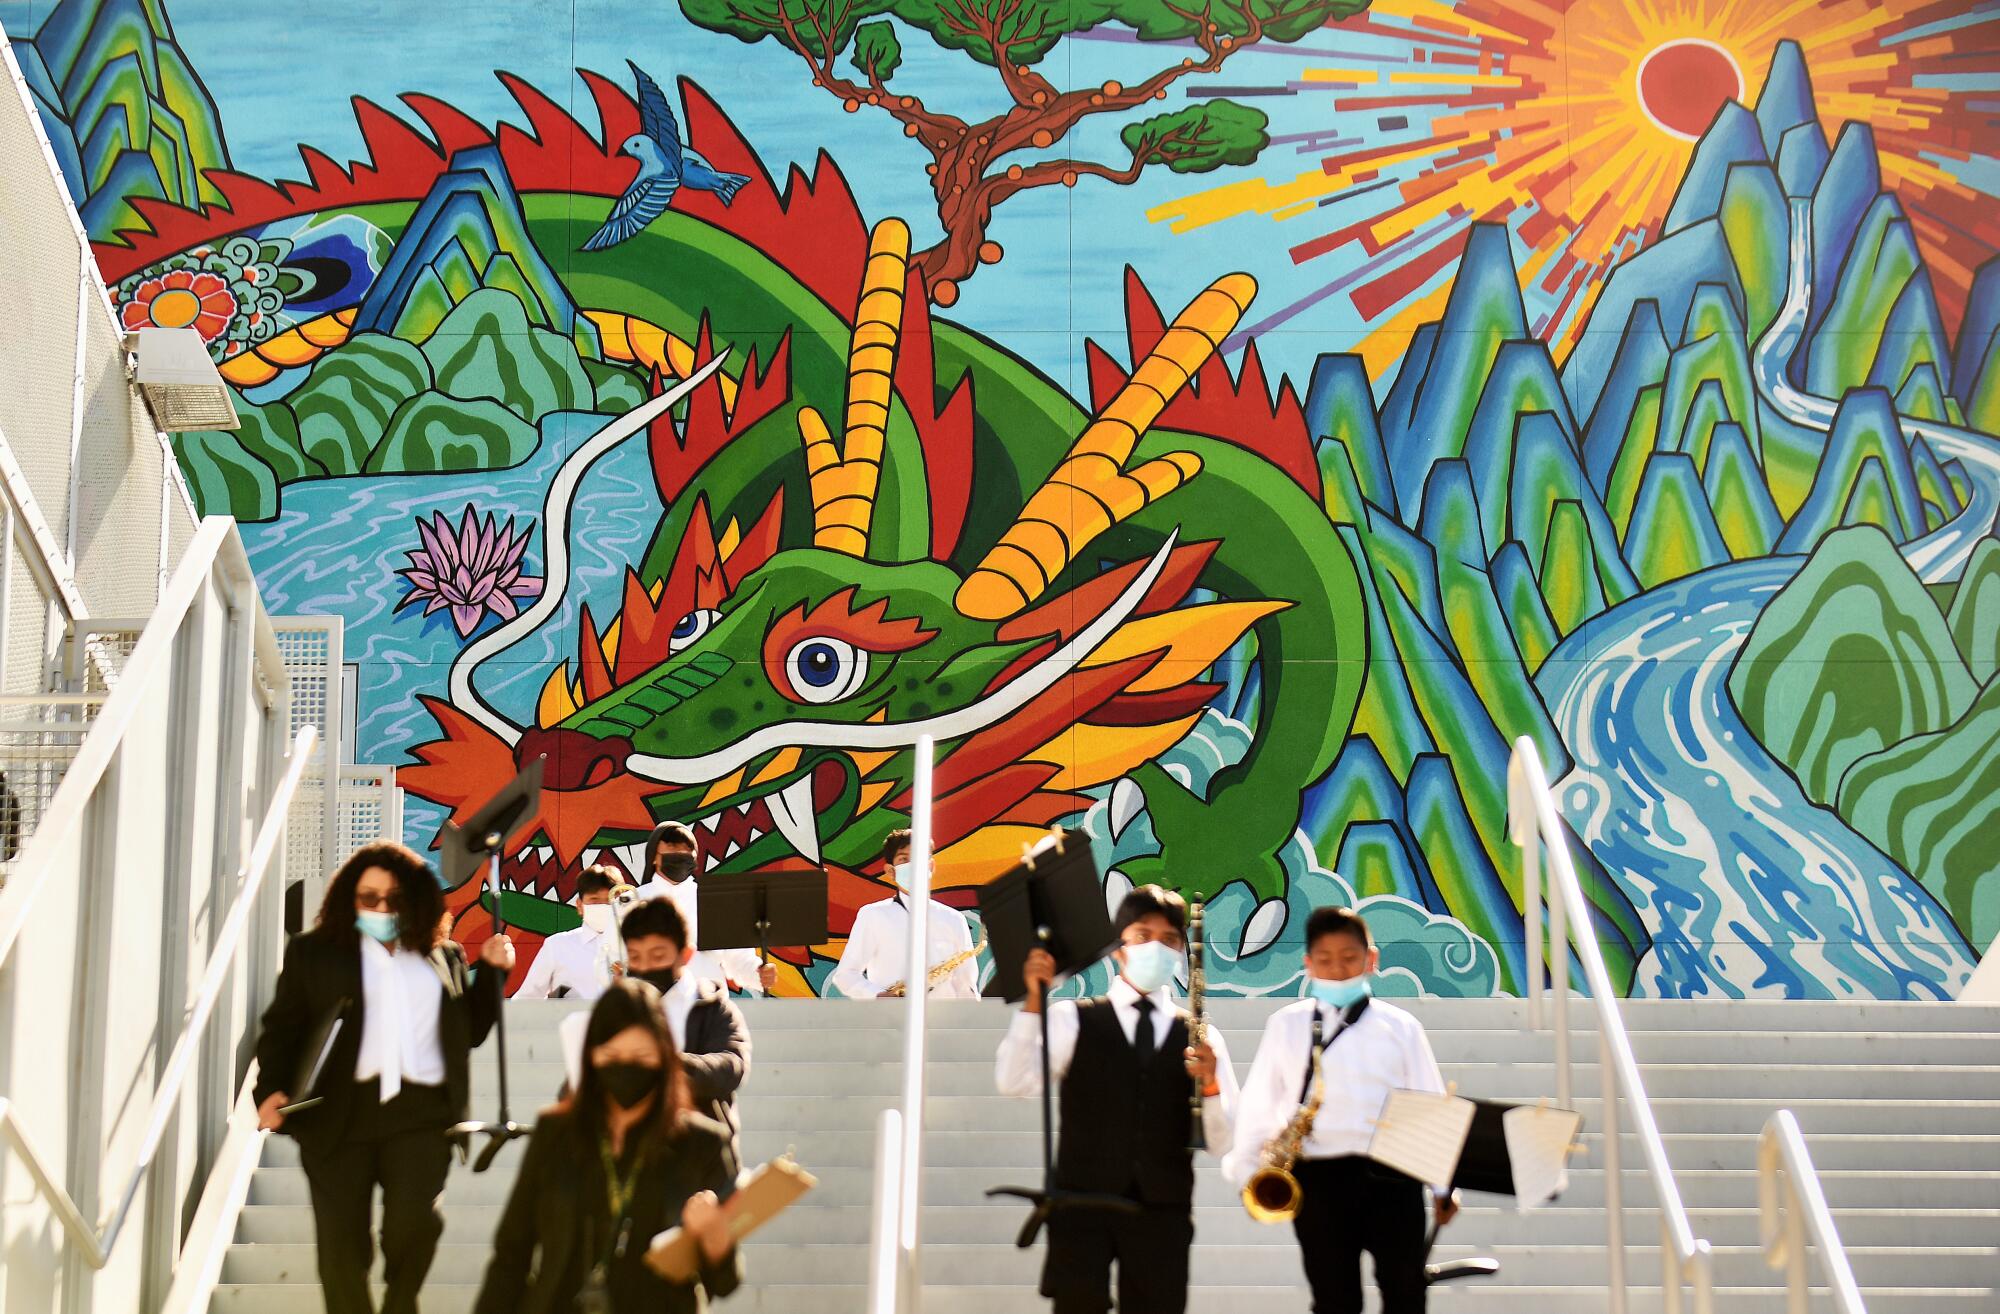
x: 665, y: 166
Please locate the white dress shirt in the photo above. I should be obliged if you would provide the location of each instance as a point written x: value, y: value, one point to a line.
x: 578, y: 959
x: 401, y: 996
x: 572, y: 1029
x: 1384, y: 1050
x: 877, y: 955
x: 1017, y: 1069
x: 729, y: 966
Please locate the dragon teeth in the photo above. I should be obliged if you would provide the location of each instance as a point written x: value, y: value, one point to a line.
x: 633, y: 856
x: 791, y: 811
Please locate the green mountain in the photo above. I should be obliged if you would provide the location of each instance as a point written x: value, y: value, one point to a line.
x: 1932, y: 802
x: 125, y: 112
x: 1851, y: 657
x: 1975, y: 611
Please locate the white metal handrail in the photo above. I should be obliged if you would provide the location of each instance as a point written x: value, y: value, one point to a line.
x: 895, y: 1275
x: 1792, y: 1210
x: 1684, y: 1258
x: 96, y: 1241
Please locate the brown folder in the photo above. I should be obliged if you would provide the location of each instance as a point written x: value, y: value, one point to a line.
x: 675, y: 1256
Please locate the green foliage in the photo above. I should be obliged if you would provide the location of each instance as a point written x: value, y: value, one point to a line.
x: 224, y: 479
x: 1201, y: 138
x: 877, y: 51
x: 617, y: 389
x: 1028, y: 28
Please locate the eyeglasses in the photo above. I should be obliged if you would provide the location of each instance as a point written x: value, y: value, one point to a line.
x: 377, y: 902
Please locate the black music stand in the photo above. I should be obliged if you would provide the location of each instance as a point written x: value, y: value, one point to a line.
x: 1052, y: 900
x: 745, y: 909
x: 483, y: 839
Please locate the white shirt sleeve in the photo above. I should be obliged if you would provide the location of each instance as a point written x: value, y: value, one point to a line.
x: 541, y: 977
x: 1218, y: 1114
x: 1420, y: 1066
x: 850, y: 977
x: 1017, y: 1068
x: 741, y: 966
x: 1266, y: 1102
x: 571, y: 1031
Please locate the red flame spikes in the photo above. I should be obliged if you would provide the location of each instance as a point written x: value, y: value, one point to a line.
x: 642, y: 634
x: 758, y: 543
x: 695, y: 560
x: 758, y: 394
x: 814, y: 231
x: 1238, y: 410
x: 944, y: 434
x: 590, y: 663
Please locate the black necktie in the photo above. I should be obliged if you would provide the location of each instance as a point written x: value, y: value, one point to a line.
x: 1142, y: 1035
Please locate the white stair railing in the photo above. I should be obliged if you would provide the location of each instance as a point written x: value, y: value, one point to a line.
x: 1792, y: 1212
x: 1685, y: 1259
x: 895, y: 1274
x: 155, y: 936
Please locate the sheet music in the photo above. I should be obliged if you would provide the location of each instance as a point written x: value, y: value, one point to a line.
x: 1422, y: 1134
x: 1538, y: 1141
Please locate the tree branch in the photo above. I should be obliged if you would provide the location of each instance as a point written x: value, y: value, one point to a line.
x: 936, y: 132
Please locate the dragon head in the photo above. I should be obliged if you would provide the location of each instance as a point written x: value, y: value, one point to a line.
x: 772, y: 695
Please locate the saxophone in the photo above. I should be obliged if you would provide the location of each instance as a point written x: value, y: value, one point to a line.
x: 1272, y: 1194
x: 941, y: 970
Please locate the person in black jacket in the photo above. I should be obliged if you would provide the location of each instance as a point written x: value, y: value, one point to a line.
x: 395, y: 1077
x: 706, y: 1024
x: 622, y: 1160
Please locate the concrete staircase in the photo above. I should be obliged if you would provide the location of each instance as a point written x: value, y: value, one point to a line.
x: 1900, y: 1104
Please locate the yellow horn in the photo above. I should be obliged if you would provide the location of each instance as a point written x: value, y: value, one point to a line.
x: 1091, y: 490
x: 845, y: 477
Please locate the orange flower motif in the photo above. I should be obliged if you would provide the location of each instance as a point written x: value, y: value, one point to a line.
x: 181, y: 299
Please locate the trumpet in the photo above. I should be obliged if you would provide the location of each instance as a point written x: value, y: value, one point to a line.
x: 941, y: 970
x: 1272, y: 1194
x: 1197, y: 1022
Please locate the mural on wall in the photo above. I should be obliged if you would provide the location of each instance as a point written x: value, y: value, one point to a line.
x: 1646, y: 410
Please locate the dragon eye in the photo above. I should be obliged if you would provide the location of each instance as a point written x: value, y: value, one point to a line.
x: 825, y: 670
x: 691, y: 627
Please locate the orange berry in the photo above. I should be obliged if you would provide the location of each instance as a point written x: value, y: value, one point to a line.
x: 989, y: 252
x: 1113, y: 87
x: 945, y: 292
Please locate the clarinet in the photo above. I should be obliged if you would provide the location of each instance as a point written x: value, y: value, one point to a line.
x: 1197, y: 1022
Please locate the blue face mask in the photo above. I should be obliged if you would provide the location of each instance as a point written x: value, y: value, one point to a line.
x: 1150, y: 965
x: 380, y: 926
x: 1340, y: 994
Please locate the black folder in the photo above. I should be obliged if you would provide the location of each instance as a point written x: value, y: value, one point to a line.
x: 312, y: 1062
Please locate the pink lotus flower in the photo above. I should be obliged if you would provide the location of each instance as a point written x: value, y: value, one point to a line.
x: 473, y: 569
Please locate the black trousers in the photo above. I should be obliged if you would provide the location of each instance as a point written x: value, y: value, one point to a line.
x: 1349, y: 1205
x: 401, y: 1147
x: 1150, y: 1249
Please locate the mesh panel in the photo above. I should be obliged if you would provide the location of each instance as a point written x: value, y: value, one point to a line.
x: 308, y: 655
x: 40, y: 263
x: 25, y: 627
x: 32, y: 763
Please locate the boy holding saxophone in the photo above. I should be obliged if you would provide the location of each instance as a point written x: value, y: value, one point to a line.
x: 1324, y: 1069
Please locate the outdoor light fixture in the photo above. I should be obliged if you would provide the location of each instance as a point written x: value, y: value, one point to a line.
x: 179, y: 381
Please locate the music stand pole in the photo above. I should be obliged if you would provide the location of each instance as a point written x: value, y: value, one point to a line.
x: 500, y: 1015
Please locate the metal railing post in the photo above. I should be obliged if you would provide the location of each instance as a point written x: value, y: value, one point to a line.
x: 1792, y: 1213
x: 885, y: 1255
x: 909, y: 1175
x: 1614, y: 1187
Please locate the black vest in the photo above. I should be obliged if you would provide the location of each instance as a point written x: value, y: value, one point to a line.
x: 1125, y: 1131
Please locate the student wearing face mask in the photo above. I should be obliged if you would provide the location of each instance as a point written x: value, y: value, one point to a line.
x: 877, y: 952
x: 671, y: 857
x: 620, y: 1160
x: 705, y: 1022
x: 1126, y: 1074
x: 396, y: 1076
x: 1366, y: 1049
x: 576, y: 964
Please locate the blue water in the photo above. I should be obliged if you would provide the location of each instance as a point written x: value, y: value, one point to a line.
x: 1747, y: 886
x: 306, y: 564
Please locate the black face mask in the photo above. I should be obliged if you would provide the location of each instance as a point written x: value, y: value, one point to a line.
x: 661, y: 979
x: 628, y: 1083
x: 676, y: 867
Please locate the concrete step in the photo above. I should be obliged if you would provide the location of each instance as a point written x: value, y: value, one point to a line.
x: 948, y: 1045
x: 1476, y: 1225
x: 1019, y: 1298
x: 1010, y: 1150
x: 1700, y: 1188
